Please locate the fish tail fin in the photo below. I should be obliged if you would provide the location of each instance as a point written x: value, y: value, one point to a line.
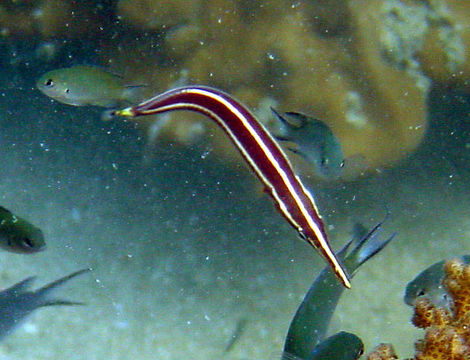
x: 366, y: 246
x: 49, y: 287
x: 133, y: 93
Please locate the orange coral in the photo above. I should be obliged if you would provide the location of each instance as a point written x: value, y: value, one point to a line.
x: 382, y: 352
x: 447, y: 331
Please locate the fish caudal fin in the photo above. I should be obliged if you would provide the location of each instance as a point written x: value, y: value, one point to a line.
x: 45, y: 290
x: 366, y: 247
x: 133, y: 93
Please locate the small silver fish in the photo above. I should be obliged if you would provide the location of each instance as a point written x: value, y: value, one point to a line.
x: 428, y: 284
x: 18, y: 235
x: 82, y: 85
x: 311, y: 321
x: 314, y: 141
x: 17, y: 302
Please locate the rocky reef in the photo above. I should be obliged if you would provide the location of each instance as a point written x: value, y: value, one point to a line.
x: 447, y: 334
x: 364, y: 67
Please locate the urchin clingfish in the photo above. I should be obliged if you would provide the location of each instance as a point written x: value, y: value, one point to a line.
x: 17, y: 302
x: 19, y: 235
x: 87, y: 85
x: 262, y: 153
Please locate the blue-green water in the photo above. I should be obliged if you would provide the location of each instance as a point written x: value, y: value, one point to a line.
x: 183, y: 247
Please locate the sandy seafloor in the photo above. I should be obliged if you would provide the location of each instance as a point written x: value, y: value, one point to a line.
x: 183, y: 248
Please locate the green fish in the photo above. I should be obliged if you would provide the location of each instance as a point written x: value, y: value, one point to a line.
x: 428, y: 284
x: 17, y: 302
x: 18, y: 235
x: 82, y: 85
x: 310, y: 323
x: 314, y: 141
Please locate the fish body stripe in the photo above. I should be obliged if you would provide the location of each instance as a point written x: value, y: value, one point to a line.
x: 262, y: 153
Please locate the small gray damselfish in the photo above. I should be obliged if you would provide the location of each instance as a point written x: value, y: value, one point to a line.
x: 17, y: 302
x: 428, y: 284
x: 311, y: 321
x: 82, y: 85
x: 315, y: 142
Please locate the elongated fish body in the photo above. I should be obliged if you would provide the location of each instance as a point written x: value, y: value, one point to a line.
x: 86, y: 85
x: 311, y: 321
x: 18, y: 235
x: 315, y: 142
x: 17, y: 302
x: 428, y: 284
x: 261, y: 152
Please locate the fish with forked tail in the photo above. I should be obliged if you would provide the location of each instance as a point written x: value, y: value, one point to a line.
x: 17, y: 302
x: 87, y: 85
x: 311, y: 321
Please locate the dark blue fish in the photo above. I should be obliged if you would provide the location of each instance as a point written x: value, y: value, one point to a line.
x: 314, y: 141
x: 17, y: 302
x: 340, y: 346
x: 428, y: 284
x: 311, y: 321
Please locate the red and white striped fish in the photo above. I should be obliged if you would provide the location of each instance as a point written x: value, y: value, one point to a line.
x: 262, y: 153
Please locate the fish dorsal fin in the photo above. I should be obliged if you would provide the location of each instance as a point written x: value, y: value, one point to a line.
x: 18, y: 288
x: 97, y: 67
x: 292, y: 120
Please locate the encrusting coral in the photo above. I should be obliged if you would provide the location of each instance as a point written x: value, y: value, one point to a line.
x: 447, y: 334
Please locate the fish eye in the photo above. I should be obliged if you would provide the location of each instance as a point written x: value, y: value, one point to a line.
x: 27, y: 242
x: 420, y: 292
x: 342, y: 164
x: 49, y: 83
x: 67, y: 91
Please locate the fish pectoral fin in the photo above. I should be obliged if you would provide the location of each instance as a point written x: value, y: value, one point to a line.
x: 133, y: 93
